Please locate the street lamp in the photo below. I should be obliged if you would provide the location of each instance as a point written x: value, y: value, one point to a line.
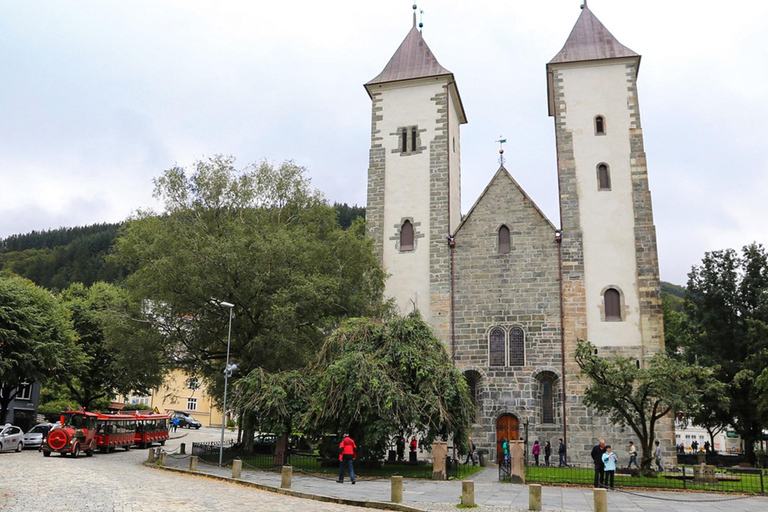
x: 228, y: 369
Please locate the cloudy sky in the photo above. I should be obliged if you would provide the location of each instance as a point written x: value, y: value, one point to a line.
x: 99, y: 97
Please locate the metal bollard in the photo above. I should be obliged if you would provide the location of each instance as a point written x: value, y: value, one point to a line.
x: 237, y: 468
x: 162, y: 459
x: 287, y: 475
x: 601, y: 500
x: 397, y: 489
x: 468, y: 493
x: 183, y: 449
x: 193, y: 463
x: 534, y: 497
x: 151, y: 456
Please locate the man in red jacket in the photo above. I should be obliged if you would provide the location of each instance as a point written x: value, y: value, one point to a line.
x: 347, y: 453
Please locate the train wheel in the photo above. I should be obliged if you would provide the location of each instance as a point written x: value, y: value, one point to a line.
x: 104, y: 449
x: 46, y: 454
x: 76, y: 451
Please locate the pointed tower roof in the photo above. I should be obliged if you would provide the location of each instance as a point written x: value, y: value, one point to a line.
x: 590, y: 40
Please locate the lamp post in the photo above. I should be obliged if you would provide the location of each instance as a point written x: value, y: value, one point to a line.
x: 227, y: 372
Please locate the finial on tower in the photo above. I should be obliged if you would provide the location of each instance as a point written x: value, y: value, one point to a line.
x: 501, y: 150
x: 584, y: 4
x: 414, y: 14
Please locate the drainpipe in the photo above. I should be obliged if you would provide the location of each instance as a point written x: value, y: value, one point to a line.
x: 559, y: 240
x: 449, y: 237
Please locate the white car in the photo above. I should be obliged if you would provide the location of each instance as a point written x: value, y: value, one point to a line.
x: 34, y: 436
x: 11, y: 438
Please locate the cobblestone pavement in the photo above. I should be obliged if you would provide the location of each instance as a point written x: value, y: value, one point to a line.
x: 117, y: 482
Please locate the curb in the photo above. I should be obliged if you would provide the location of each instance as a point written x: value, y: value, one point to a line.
x: 379, y: 505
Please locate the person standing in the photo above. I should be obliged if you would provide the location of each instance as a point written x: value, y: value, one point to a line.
x: 505, y: 449
x: 561, y: 453
x: 609, y: 463
x: 707, y: 446
x: 597, y: 457
x: 657, y: 456
x: 632, y: 456
x: 536, y: 452
x: 547, y: 452
x: 347, y: 454
x: 413, y: 446
x: 470, y: 453
x: 400, y: 444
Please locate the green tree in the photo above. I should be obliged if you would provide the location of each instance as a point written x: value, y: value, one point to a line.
x: 639, y: 397
x: 260, y: 239
x: 727, y: 305
x: 375, y: 379
x: 36, y: 337
x: 122, y: 355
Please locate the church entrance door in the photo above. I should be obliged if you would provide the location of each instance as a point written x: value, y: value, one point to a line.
x: 508, y: 427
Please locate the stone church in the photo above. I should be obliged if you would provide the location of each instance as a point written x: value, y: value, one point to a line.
x: 507, y: 290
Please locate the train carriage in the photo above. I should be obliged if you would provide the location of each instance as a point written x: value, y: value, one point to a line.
x: 152, y: 428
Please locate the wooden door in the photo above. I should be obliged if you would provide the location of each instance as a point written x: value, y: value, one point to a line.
x: 508, y: 427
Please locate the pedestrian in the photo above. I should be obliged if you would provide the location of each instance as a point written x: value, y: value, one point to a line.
x: 657, y: 455
x: 413, y: 447
x: 505, y: 450
x: 547, y: 452
x: 561, y: 454
x: 175, y: 423
x: 536, y: 451
x: 609, y: 463
x: 347, y: 454
x: 695, y: 446
x: 46, y: 428
x: 632, y: 456
x: 706, y: 447
x: 471, y: 452
x: 400, y: 444
x: 597, y: 457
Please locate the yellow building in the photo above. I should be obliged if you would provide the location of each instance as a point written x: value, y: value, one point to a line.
x: 180, y: 392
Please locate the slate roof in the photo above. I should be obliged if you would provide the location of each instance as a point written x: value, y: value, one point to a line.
x: 590, y: 40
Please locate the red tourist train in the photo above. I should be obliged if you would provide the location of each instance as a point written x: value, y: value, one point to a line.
x: 87, y: 432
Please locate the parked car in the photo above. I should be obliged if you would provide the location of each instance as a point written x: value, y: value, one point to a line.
x: 264, y: 443
x: 185, y: 419
x: 11, y: 438
x: 34, y: 436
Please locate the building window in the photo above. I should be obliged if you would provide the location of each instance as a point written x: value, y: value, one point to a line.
x: 406, y: 236
x: 504, y: 243
x: 404, y: 141
x: 496, y: 347
x: 599, y: 125
x: 516, y: 347
x: 193, y: 383
x: 414, y: 145
x: 603, y: 177
x: 191, y: 404
x: 473, y: 381
x: 612, y: 299
x: 24, y: 392
x: 547, y: 399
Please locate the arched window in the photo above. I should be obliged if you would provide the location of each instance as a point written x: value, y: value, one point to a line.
x: 516, y: 347
x: 496, y: 347
x: 612, y: 299
x: 547, y: 398
x: 406, y: 236
x: 404, y: 141
x: 599, y: 125
x: 414, y: 146
x: 603, y: 177
x: 504, y: 243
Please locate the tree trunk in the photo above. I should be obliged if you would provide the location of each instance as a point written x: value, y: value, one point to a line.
x: 248, y: 432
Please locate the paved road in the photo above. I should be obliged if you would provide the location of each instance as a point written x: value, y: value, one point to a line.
x: 117, y: 482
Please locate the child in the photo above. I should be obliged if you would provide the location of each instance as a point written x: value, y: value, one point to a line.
x: 609, y: 461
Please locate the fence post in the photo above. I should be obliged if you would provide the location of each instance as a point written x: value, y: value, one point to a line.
x: 534, y: 497
x: 601, y: 500
x: 762, y: 488
x: 287, y: 475
x: 684, y: 484
x: 397, y: 489
x: 237, y: 468
x: 151, y: 456
x: 468, y: 493
x: 183, y: 449
x: 162, y: 458
x: 193, y: 463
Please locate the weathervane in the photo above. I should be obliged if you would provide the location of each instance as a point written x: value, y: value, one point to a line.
x: 501, y: 150
x: 421, y: 17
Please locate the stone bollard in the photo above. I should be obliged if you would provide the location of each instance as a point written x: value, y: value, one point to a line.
x: 287, y: 476
x: 183, y: 449
x: 397, y: 489
x: 193, y: 463
x: 237, y: 468
x: 162, y: 459
x: 601, y: 500
x: 534, y: 497
x: 468, y: 493
x: 151, y: 456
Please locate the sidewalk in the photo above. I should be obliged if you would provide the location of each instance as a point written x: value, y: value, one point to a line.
x: 491, y: 495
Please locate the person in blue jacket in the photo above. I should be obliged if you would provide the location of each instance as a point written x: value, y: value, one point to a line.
x: 609, y: 462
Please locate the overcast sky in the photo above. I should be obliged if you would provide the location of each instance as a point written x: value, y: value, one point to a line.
x: 99, y: 97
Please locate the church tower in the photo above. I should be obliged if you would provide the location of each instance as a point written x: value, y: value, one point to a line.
x: 610, y: 273
x: 413, y: 178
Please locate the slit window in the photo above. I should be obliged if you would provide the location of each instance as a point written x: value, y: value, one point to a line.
x: 414, y: 146
x: 612, y: 299
x: 406, y: 236
x: 404, y: 141
x: 599, y: 125
x: 496, y: 347
x: 603, y: 177
x: 504, y: 242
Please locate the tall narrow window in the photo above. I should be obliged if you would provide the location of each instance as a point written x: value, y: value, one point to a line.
x: 612, y: 299
x: 496, y: 347
x: 504, y: 245
x: 603, y: 177
x: 473, y: 381
x: 404, y: 141
x: 191, y: 404
x: 516, y: 347
x: 599, y: 125
x: 414, y: 146
x: 406, y: 236
x: 547, y: 400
